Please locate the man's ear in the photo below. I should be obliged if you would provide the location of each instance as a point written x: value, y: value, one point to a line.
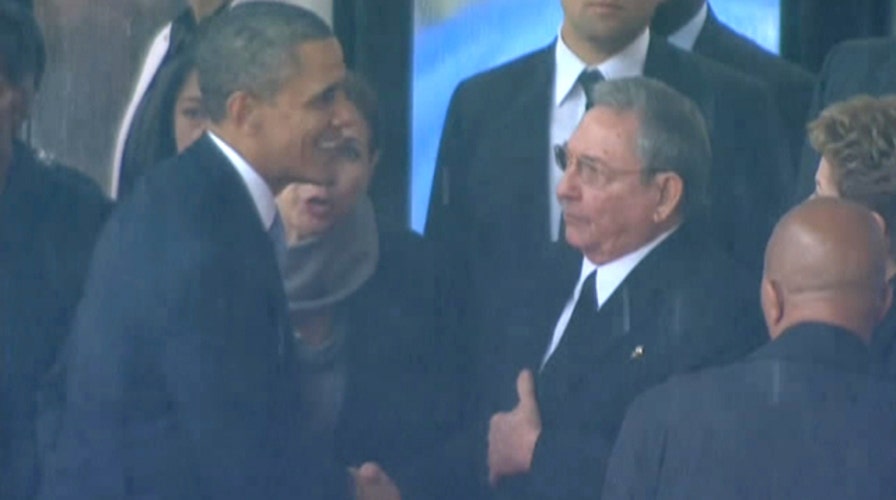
x: 772, y: 298
x: 242, y: 108
x: 880, y: 221
x: 671, y: 191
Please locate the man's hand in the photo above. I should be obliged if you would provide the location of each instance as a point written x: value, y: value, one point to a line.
x: 372, y: 483
x: 512, y: 435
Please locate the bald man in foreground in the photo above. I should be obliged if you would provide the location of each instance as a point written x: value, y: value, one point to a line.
x: 802, y: 417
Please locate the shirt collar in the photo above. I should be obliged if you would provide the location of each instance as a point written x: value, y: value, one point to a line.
x: 627, y: 62
x: 686, y: 36
x: 258, y: 189
x: 613, y: 273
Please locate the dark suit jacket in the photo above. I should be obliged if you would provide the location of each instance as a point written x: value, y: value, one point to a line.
x: 489, y: 212
x: 50, y: 217
x: 791, y: 85
x: 398, y: 401
x: 685, y: 305
x: 800, y: 418
x: 180, y: 369
x: 883, y: 343
x: 850, y: 69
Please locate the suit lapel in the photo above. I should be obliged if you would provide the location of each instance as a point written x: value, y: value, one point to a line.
x: 520, y: 150
x: 709, y: 36
x: 554, y: 289
x: 636, y: 316
x: 250, y: 238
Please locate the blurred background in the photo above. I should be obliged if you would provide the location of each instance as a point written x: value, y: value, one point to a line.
x: 414, y: 52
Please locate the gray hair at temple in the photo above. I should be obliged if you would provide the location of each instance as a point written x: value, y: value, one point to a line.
x: 672, y: 135
x: 251, y: 48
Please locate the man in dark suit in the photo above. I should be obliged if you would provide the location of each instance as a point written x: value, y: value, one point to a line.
x: 492, y: 211
x: 851, y: 68
x: 50, y: 217
x: 180, y: 374
x: 646, y: 295
x: 692, y: 25
x: 801, y: 417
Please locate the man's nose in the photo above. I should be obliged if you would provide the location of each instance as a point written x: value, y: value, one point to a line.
x: 341, y: 110
x: 567, y: 188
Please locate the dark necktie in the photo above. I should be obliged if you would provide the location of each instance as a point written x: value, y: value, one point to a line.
x: 581, y: 324
x: 584, y: 315
x: 588, y: 79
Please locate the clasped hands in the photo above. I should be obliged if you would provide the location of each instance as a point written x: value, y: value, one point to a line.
x: 512, y: 435
x: 511, y: 445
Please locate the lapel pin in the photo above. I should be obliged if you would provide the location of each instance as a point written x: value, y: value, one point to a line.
x: 638, y: 353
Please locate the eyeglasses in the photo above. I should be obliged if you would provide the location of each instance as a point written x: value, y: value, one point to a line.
x: 590, y: 172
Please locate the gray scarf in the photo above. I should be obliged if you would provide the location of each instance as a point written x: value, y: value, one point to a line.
x: 322, y: 271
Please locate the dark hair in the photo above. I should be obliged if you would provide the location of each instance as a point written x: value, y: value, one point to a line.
x: 857, y: 137
x: 22, y: 50
x: 363, y: 97
x: 151, y: 136
x: 672, y: 134
x: 251, y: 47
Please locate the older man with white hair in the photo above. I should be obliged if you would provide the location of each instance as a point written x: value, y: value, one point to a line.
x: 642, y: 295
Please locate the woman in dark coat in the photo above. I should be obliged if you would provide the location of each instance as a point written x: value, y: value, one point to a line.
x: 362, y: 300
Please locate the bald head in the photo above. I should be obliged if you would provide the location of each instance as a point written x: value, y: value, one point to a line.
x: 826, y: 262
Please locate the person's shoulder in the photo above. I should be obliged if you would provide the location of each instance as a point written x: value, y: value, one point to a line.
x: 699, y: 76
x: 863, y: 48
x: 730, y: 79
x: 507, y: 75
x: 177, y: 199
x: 189, y: 172
x: 696, y: 252
x: 690, y: 390
x: 711, y: 295
x: 62, y: 184
x: 857, y: 67
x: 735, y: 49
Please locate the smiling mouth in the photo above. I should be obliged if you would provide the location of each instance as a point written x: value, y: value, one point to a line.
x: 330, y: 139
x: 604, y: 5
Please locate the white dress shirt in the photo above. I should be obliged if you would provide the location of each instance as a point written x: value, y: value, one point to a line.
x: 609, y: 277
x: 261, y: 194
x: 686, y: 36
x: 568, y: 104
